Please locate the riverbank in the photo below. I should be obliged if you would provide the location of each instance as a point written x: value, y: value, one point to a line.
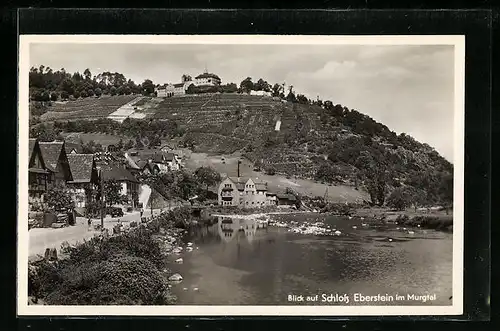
x: 437, y: 220
x: 127, y: 268
x: 427, y: 219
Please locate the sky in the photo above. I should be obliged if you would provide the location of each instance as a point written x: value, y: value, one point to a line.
x: 408, y: 88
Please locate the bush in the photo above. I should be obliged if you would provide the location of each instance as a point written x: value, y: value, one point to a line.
x: 121, y: 280
x: 270, y: 171
x: 114, y: 211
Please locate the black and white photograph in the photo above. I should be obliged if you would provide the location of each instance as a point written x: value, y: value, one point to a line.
x: 240, y: 175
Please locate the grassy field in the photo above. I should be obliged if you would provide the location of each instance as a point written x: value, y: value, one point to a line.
x: 276, y: 183
x: 103, y: 139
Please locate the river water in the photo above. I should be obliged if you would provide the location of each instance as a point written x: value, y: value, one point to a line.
x: 240, y: 262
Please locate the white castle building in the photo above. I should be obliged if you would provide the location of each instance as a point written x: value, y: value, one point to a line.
x: 204, y: 79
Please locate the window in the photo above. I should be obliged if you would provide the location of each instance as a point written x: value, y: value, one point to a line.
x: 247, y: 202
x: 252, y: 202
x: 253, y: 192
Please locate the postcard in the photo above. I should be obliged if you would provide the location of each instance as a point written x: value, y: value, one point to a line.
x: 244, y: 175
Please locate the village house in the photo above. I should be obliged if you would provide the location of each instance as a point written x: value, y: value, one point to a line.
x: 148, y: 168
x: 56, y: 161
x: 85, y: 178
x: 130, y: 184
x: 48, y: 168
x: 286, y: 199
x: 162, y: 161
x: 244, y: 192
x: 38, y: 174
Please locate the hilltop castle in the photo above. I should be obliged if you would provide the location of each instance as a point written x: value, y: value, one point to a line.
x: 204, y: 79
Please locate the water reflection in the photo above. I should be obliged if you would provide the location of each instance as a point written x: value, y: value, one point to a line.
x: 246, y: 261
x: 240, y: 229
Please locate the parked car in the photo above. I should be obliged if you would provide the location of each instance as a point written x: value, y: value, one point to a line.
x: 114, y: 211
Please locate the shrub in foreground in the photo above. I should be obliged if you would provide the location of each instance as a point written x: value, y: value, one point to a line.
x: 121, y: 280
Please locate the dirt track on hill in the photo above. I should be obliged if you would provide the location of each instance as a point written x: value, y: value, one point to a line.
x: 276, y: 183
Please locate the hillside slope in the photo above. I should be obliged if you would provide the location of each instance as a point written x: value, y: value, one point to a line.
x: 331, y: 144
x: 322, y: 142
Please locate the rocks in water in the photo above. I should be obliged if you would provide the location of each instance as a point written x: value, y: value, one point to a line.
x: 184, y: 289
x: 179, y: 260
x: 175, y: 278
x: 411, y: 232
x: 354, y: 227
x: 189, y: 244
x: 338, y: 233
x: 364, y: 224
x: 189, y: 249
x: 195, y: 289
x: 177, y: 250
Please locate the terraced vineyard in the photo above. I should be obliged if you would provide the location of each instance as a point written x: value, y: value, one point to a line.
x: 308, y: 137
x: 88, y: 108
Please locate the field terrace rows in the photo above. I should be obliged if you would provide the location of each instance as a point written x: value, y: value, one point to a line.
x: 88, y: 108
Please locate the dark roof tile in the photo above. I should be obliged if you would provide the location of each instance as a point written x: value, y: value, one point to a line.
x: 207, y: 75
x: 119, y: 174
x: 51, y: 152
x: 81, y: 167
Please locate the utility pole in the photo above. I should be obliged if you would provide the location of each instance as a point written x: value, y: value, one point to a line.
x: 151, y: 202
x: 102, y: 199
x: 239, y: 162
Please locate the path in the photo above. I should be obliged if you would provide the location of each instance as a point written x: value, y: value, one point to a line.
x: 124, y: 111
x: 42, y: 238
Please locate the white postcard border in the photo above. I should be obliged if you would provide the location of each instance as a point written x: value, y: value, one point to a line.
x: 458, y: 41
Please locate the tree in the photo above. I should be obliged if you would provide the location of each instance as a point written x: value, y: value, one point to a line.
x: 326, y: 173
x: 87, y: 74
x: 53, y: 96
x: 302, y: 99
x: 98, y: 92
x: 291, y: 97
x: 129, y: 145
x: 64, y: 95
x: 186, y: 78
x: 262, y: 85
x: 246, y: 85
x: 148, y: 87
x: 112, y: 90
x: 59, y: 199
x: 446, y: 191
x: 277, y: 90
x: 68, y: 86
x: 400, y: 198
x: 207, y: 176
x: 112, y: 192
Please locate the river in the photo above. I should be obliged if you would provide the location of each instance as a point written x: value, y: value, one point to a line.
x: 265, y: 265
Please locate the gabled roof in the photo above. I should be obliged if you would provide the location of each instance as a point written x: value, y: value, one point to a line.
x: 241, y: 181
x: 131, y: 163
x: 261, y: 187
x: 287, y: 196
x: 207, y: 75
x: 51, y: 151
x: 32, y: 143
x: 119, y: 174
x: 81, y: 166
x: 69, y: 146
x: 179, y: 85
